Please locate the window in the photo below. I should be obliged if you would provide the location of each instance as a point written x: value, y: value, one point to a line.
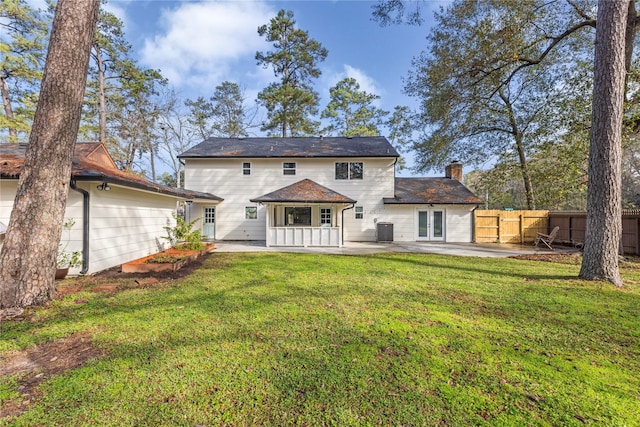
x: 355, y: 170
x: 251, y: 212
x: 325, y: 217
x: 359, y: 212
x: 288, y: 168
x: 246, y: 168
x: 342, y: 170
x: 297, y: 216
x: 349, y: 170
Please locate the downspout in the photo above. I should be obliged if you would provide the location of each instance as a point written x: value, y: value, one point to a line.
x: 85, y: 226
x: 473, y: 224
x: 353, y: 205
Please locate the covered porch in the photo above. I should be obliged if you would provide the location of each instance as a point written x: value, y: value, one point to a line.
x: 304, y: 214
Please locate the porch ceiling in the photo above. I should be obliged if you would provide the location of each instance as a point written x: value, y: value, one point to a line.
x: 305, y: 191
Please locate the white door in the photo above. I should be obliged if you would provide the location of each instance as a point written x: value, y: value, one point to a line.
x: 209, y: 222
x: 430, y: 224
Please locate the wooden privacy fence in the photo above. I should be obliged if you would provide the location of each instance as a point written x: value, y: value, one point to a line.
x: 498, y: 226
x: 495, y: 226
x: 573, y: 224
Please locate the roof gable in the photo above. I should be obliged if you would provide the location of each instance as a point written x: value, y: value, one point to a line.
x: 431, y: 190
x: 369, y: 146
x: 305, y: 191
x: 94, y: 152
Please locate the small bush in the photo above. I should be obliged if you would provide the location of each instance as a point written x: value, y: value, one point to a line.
x: 183, y: 233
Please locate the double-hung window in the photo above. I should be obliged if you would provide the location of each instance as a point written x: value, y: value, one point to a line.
x: 359, y: 212
x: 288, y: 168
x: 349, y: 170
x: 246, y: 168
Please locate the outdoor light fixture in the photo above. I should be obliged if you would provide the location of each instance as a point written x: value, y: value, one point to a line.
x: 104, y: 187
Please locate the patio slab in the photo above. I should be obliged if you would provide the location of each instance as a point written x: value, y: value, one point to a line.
x: 359, y: 248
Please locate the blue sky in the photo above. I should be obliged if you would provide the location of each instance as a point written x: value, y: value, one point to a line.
x: 199, y: 44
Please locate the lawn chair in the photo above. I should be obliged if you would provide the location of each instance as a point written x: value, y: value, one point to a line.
x: 547, y: 239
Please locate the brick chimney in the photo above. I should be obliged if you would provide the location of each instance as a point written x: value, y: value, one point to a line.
x: 454, y: 171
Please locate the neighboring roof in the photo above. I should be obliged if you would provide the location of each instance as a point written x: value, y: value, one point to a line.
x: 431, y: 190
x: 305, y: 191
x: 361, y: 146
x: 92, y: 162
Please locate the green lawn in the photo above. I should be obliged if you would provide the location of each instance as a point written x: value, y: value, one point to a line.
x: 303, y: 339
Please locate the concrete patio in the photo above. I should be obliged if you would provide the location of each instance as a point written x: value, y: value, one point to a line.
x: 359, y: 248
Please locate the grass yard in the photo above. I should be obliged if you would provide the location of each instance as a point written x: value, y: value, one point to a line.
x: 302, y: 339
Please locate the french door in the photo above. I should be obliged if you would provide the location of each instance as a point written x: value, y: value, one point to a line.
x: 430, y: 224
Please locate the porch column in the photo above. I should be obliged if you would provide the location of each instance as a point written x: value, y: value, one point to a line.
x: 268, y: 221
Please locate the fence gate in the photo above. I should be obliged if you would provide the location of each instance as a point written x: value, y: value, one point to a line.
x: 496, y: 226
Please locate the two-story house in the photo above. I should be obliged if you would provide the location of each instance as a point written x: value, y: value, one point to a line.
x: 322, y: 191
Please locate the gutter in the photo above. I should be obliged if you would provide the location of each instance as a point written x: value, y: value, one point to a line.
x: 85, y: 226
x: 353, y: 205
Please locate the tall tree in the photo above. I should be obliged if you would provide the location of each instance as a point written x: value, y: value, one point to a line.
x: 473, y: 106
x: 291, y: 103
x: 109, y: 63
x: 545, y: 40
x: 175, y: 135
x: 118, y: 109
x: 200, y: 112
x: 224, y: 114
x: 23, y: 33
x: 351, y: 110
x: 401, y: 126
x: 134, y: 114
x: 230, y: 117
x: 604, y: 227
x: 28, y: 256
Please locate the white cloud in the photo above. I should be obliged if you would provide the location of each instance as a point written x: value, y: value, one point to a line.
x: 118, y: 10
x: 198, y: 43
x: 367, y: 83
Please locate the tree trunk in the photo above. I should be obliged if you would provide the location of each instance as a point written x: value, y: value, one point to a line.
x: 8, y: 110
x: 524, y: 170
x: 604, y: 212
x: 522, y: 157
x: 102, y: 102
x: 28, y: 257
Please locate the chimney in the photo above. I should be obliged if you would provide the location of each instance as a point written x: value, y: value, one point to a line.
x: 454, y: 171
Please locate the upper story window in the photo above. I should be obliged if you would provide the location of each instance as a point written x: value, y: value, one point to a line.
x: 288, y: 168
x: 246, y: 168
x: 349, y: 170
x: 359, y: 212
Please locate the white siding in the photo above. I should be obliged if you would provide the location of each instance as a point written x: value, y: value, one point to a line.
x: 125, y: 224
x: 458, y: 221
x: 7, y: 195
x: 72, y: 239
x: 224, y: 178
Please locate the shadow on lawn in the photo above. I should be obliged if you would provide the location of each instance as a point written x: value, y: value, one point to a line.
x: 469, y: 265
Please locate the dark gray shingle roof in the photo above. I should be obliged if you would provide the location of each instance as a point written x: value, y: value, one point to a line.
x: 361, y: 146
x: 431, y: 190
